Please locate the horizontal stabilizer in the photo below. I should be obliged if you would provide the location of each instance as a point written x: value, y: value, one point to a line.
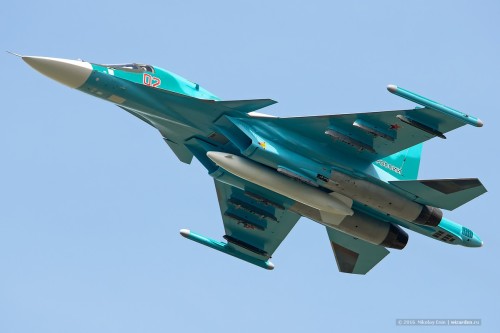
x: 443, y: 193
x: 247, y: 105
x: 354, y: 255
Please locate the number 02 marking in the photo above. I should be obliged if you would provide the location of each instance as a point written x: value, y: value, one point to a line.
x: 149, y: 80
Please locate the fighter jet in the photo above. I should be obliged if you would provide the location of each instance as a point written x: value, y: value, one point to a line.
x: 356, y: 174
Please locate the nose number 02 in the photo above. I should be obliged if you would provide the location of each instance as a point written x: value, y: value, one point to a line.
x: 149, y: 80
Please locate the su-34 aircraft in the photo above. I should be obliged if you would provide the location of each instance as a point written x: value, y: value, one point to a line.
x: 356, y: 174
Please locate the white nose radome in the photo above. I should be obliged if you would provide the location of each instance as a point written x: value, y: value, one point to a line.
x: 73, y: 73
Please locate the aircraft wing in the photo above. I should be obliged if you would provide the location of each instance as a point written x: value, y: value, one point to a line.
x: 354, y: 255
x: 371, y: 136
x: 256, y: 220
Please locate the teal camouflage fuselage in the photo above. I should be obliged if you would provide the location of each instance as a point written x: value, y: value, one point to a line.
x: 354, y: 173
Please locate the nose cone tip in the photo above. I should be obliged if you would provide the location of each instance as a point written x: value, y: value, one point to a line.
x: 72, y: 73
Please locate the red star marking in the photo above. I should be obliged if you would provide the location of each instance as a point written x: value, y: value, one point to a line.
x: 395, y: 127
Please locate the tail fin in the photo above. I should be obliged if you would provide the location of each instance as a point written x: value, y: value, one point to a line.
x: 403, y: 165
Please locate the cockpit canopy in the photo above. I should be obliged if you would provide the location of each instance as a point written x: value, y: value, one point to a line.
x: 134, y: 68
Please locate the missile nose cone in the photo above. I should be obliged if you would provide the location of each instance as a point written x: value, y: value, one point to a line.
x: 185, y: 232
x: 73, y: 73
x: 392, y: 88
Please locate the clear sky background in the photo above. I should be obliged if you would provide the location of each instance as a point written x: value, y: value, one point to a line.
x: 92, y: 199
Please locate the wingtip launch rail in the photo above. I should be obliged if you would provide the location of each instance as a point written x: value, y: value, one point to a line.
x: 411, y: 96
x: 227, y: 248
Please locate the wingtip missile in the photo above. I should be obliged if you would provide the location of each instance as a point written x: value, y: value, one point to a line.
x: 411, y: 96
x: 392, y: 88
x: 225, y: 248
x: 185, y: 232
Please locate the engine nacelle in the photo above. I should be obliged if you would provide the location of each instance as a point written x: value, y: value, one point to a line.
x: 359, y: 225
x: 373, y: 230
x: 382, y: 199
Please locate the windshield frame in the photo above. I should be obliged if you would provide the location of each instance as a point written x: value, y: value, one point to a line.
x: 131, y: 67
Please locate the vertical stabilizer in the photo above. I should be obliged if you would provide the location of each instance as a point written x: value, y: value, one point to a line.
x: 403, y: 165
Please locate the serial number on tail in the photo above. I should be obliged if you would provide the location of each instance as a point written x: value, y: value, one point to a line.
x: 391, y: 167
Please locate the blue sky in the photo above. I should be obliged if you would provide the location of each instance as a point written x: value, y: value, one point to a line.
x: 92, y: 199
